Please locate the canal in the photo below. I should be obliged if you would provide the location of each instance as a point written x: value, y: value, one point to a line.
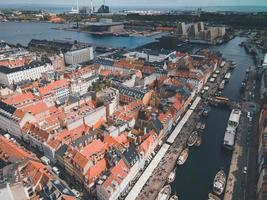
x: 194, y: 180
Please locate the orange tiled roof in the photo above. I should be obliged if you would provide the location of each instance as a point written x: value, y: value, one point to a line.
x: 66, y: 135
x: 118, y: 173
x: 19, y: 113
x: 110, y: 141
x: 37, y: 173
x: 36, y: 132
x: 96, y: 146
x: 53, y: 86
x: 19, y: 99
x: 95, y: 171
x: 146, y: 144
x: 36, y: 108
x: 10, y: 150
x: 80, y: 159
x: 122, y: 139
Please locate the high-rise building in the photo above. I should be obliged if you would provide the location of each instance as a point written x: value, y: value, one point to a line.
x: 200, y: 26
x: 193, y: 31
x: 181, y: 28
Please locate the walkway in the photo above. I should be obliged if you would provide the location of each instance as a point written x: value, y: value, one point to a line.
x: 162, y: 158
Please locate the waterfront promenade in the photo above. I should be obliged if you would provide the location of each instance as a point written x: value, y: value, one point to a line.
x: 163, y: 162
x: 155, y: 175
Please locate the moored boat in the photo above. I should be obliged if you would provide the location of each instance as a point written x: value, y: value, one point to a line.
x: 199, y: 141
x: 213, y: 197
x: 183, y: 156
x: 227, y: 77
x: 198, y: 126
x: 174, y: 197
x: 203, y: 126
x: 206, y: 111
x: 222, y: 84
x: 192, y: 139
x: 172, y: 176
x: 164, y: 193
x: 219, y: 182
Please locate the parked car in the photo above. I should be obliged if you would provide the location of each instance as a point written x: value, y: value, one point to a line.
x: 75, y: 192
x: 56, y: 170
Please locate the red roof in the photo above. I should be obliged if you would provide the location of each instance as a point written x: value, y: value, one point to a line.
x: 53, y: 86
x: 36, y: 108
x: 19, y: 99
x: 95, y: 171
x: 94, y: 147
x: 10, y: 150
x: 118, y: 173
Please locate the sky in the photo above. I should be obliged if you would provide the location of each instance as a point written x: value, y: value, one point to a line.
x: 146, y: 3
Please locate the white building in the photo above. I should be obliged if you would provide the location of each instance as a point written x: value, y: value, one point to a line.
x: 110, y: 97
x: 79, y: 56
x: 12, y: 119
x: 33, y: 71
x: 80, y: 86
x: 152, y: 55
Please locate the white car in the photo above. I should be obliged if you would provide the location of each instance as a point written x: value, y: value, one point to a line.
x: 56, y: 170
x: 245, y: 170
x: 75, y: 192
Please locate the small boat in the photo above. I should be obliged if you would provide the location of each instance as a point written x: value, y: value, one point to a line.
x: 183, y: 156
x: 174, y: 197
x: 203, y: 126
x: 222, y: 84
x: 206, y: 111
x: 164, y: 193
x: 227, y: 77
x: 219, y: 182
x: 192, y: 139
x: 233, y: 66
x: 172, y: 176
x: 213, y: 197
x: 199, y: 141
x: 198, y: 126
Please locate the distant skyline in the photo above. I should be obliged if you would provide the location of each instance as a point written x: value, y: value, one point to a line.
x: 143, y: 3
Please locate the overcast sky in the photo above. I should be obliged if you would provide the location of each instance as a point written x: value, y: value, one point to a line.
x: 176, y: 3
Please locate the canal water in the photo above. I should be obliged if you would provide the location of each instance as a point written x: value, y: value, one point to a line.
x: 23, y: 32
x: 194, y: 180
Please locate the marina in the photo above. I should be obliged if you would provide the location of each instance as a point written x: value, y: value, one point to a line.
x: 213, y: 136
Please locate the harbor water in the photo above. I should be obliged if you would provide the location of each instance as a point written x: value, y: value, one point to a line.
x: 194, y: 180
x: 23, y: 32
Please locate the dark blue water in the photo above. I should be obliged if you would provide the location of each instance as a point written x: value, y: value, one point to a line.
x: 23, y: 32
x: 194, y: 180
